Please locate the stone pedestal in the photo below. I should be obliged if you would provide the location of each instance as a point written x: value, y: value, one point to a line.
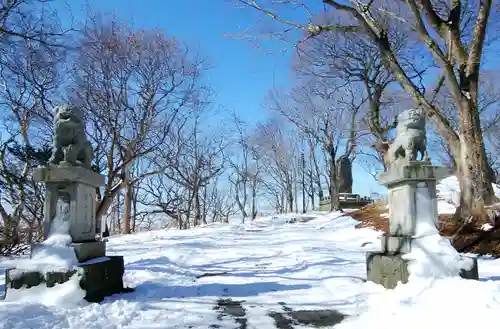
x: 412, y: 201
x: 411, y: 195
x: 77, y: 186
x: 101, y: 275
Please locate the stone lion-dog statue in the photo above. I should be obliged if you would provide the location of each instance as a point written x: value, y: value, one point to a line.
x: 70, y: 144
x: 410, y: 138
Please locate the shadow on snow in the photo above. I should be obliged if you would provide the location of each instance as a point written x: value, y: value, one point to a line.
x: 156, y: 291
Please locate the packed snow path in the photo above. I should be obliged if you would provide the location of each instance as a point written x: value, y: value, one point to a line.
x: 265, y: 266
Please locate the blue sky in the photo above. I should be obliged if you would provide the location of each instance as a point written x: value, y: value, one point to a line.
x: 242, y: 75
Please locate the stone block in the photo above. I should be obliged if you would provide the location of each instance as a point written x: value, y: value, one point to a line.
x: 403, y: 198
x: 82, y: 203
x: 85, y: 251
x: 76, y: 186
x: 388, y: 270
x: 413, y: 171
x: 396, y: 244
x: 473, y: 273
x: 402, y: 210
x: 55, y: 174
x: 101, y: 278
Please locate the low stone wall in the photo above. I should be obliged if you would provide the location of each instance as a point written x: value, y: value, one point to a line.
x: 347, y: 201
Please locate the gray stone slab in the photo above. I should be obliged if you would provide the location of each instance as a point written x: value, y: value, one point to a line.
x: 69, y: 175
x: 473, y: 273
x: 402, y: 210
x: 413, y: 171
x: 411, y: 202
x: 388, y: 270
x: 86, y: 251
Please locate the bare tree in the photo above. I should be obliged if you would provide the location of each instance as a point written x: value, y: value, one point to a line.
x: 224, y: 206
x: 246, y: 169
x: 31, y: 21
x: 352, y: 61
x: 161, y: 196
x: 30, y: 76
x: 195, y: 159
x: 327, y: 117
x: 455, y: 36
x: 133, y: 85
x: 277, y: 153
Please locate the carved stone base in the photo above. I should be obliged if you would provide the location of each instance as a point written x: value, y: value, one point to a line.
x: 389, y: 269
x: 386, y: 269
x: 101, y: 278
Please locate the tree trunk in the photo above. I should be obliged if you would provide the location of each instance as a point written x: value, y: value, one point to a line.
x: 296, y: 194
x: 282, y: 202
x: 334, y: 199
x: 135, y: 191
x: 187, y: 222
x: 241, y: 204
x: 317, y: 170
x: 179, y: 218
x: 119, y: 217
x: 289, y: 188
x: 197, y: 207
x: 107, y: 199
x: 30, y: 233
x: 254, y: 199
x: 205, y: 205
x: 311, y: 183
x: 303, y: 186
x: 473, y: 169
x: 127, y: 205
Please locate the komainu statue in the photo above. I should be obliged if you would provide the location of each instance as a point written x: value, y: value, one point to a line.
x: 70, y: 146
x: 410, y: 139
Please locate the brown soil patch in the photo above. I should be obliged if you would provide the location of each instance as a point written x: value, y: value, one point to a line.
x: 466, y: 237
x: 374, y: 215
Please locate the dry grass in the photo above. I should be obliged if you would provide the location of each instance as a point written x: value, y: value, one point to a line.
x: 466, y: 237
x: 374, y: 215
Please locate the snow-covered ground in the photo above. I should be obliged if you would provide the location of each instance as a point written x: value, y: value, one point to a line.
x: 314, y: 265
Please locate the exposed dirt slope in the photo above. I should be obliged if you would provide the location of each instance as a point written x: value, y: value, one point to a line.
x: 481, y: 238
